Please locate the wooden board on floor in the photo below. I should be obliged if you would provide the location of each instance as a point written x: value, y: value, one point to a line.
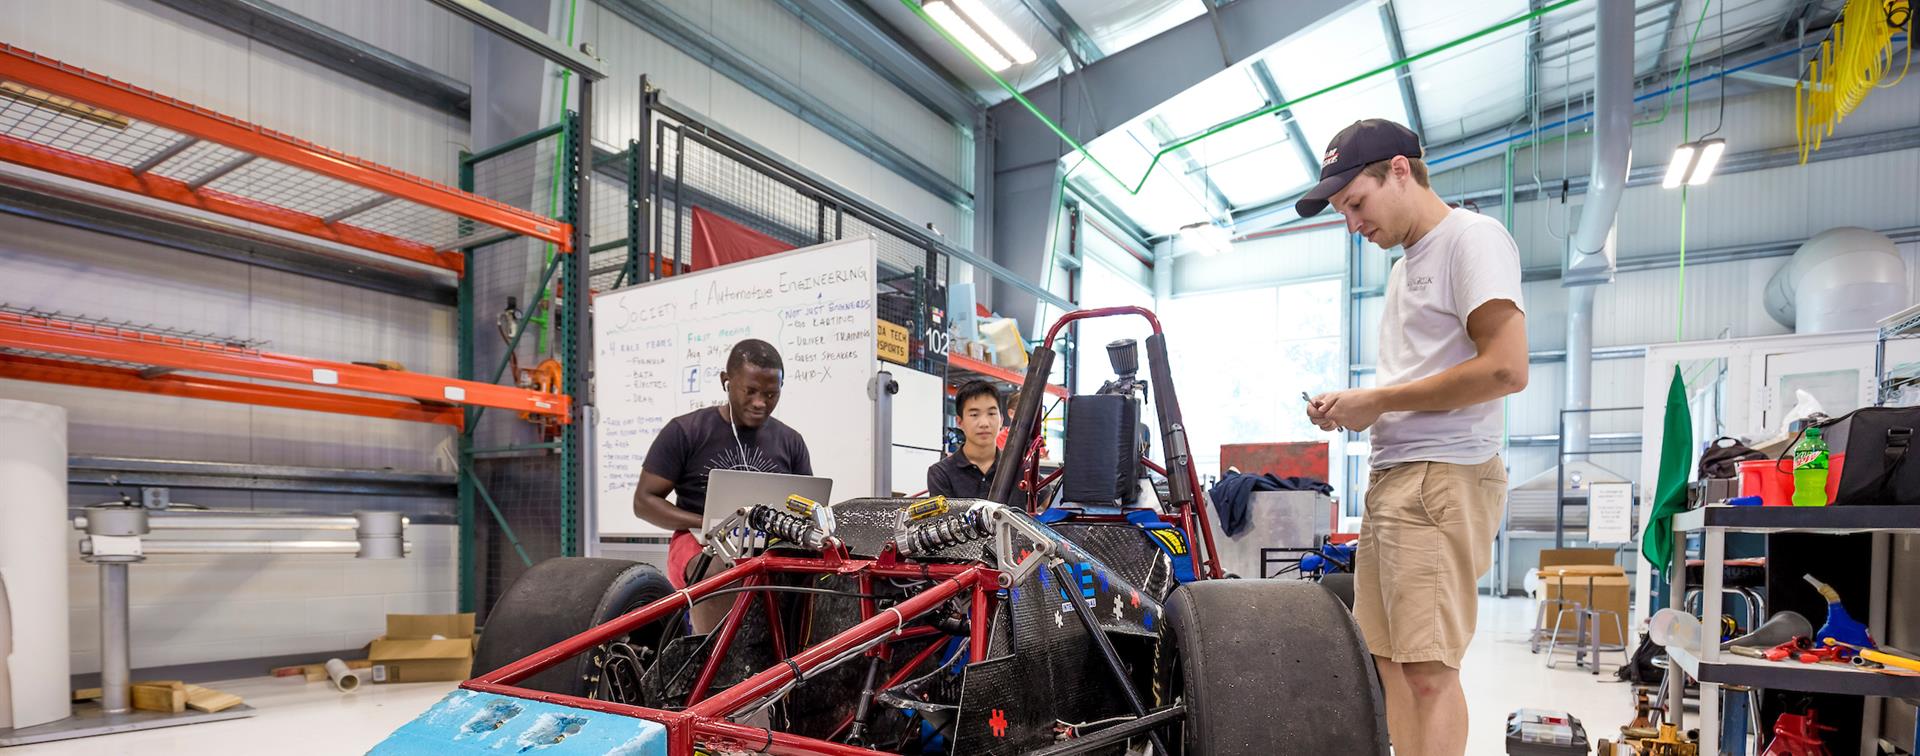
x: 210, y: 700
x: 161, y: 698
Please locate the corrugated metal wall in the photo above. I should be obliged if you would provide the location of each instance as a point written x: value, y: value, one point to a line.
x: 181, y: 56
x: 195, y: 609
x: 76, y: 272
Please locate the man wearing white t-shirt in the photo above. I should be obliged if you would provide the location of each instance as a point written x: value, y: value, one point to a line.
x: 1453, y: 341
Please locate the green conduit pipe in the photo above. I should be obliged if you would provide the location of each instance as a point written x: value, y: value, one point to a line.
x: 536, y: 316
x: 1686, y: 131
x: 1268, y: 110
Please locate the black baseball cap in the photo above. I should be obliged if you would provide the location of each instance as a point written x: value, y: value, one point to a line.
x: 1368, y: 141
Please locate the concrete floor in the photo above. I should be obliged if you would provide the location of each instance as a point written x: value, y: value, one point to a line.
x: 310, y: 718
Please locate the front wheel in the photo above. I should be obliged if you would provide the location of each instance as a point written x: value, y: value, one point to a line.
x: 1272, y: 668
x: 564, y: 597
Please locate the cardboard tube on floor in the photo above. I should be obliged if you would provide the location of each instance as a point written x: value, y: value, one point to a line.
x: 347, y: 680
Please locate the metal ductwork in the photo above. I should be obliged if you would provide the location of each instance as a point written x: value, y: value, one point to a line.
x: 1842, y: 279
x: 1591, y: 251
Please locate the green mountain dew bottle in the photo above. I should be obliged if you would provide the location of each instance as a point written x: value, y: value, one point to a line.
x: 1810, y: 470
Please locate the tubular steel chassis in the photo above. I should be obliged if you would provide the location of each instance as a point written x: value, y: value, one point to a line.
x: 706, y: 718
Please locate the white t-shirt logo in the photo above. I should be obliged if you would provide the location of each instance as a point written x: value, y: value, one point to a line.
x: 1419, y: 283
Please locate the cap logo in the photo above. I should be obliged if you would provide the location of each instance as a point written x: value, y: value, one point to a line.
x: 1333, y: 153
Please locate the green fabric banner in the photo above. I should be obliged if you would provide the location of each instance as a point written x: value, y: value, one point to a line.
x: 1676, y: 460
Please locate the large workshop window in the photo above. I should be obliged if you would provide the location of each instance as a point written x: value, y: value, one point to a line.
x: 1110, y: 276
x: 1241, y: 359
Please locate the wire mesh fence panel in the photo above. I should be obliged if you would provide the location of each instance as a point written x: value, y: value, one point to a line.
x: 294, y: 189
x: 692, y: 171
x: 98, y: 135
x: 196, y: 161
x: 610, y: 194
x: 526, y: 491
x: 520, y: 508
x: 79, y: 133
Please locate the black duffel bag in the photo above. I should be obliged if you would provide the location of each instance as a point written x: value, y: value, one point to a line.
x: 1880, y: 467
x: 1723, y: 456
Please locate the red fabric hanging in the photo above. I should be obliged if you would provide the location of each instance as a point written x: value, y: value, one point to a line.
x: 718, y: 241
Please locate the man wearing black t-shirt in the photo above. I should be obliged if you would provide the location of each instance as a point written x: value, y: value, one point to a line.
x: 739, y: 435
x: 967, y: 472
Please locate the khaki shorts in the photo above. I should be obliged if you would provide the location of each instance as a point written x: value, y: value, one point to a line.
x: 1426, y: 540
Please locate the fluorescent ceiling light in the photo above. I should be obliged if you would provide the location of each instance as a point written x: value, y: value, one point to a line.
x: 1677, y: 169
x: 1693, y: 163
x: 1709, y: 159
x: 996, y: 30
x: 1207, y: 238
x: 943, y: 14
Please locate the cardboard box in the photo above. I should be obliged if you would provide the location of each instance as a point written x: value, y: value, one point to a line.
x: 1563, y: 557
x: 411, y: 652
x: 1565, y: 572
x: 1606, y: 592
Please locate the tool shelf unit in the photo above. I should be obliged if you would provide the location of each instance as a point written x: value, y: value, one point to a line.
x: 1901, y: 325
x: 67, y: 130
x: 1712, y: 669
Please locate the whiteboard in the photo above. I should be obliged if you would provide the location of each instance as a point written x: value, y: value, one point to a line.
x: 659, y: 349
x: 918, y: 420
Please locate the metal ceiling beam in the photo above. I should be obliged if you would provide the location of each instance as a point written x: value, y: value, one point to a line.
x: 1192, y: 169
x: 1765, y: 78
x: 1587, y: 30
x: 1109, y: 211
x: 518, y: 32
x: 1667, y: 260
x: 1309, y: 156
x: 313, y: 41
x: 877, y: 45
x: 1065, y: 30
x: 1841, y: 148
x: 1733, y: 163
x: 1134, y: 81
x: 656, y: 20
x: 1483, y: 143
x: 1673, y: 22
x: 1403, y: 75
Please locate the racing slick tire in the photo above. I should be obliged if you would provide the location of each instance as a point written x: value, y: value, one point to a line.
x: 1341, y: 584
x: 556, y: 600
x: 1272, y: 668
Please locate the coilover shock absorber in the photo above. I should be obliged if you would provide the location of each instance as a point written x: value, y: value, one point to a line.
x: 800, y: 521
x: 932, y: 535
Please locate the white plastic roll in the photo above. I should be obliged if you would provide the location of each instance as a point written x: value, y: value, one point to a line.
x: 344, y: 678
x: 34, y: 538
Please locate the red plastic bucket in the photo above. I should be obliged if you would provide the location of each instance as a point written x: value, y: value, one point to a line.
x: 1762, y: 478
x: 1774, y: 485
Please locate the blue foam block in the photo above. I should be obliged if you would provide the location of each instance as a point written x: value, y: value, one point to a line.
x: 469, y: 722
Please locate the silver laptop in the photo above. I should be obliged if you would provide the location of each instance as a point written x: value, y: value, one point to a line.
x: 729, y: 490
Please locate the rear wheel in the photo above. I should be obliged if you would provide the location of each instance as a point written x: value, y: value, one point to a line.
x: 563, y: 597
x: 1341, y: 584
x: 1269, y: 668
